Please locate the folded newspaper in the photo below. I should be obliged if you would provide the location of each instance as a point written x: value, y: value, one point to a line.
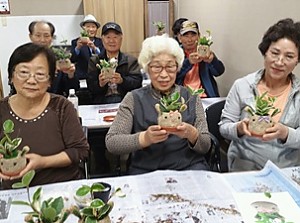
x: 172, y: 196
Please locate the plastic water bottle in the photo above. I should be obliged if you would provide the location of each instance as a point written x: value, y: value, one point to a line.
x: 73, y: 98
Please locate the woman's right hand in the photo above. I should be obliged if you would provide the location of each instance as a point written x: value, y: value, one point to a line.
x: 154, y: 134
x: 242, y: 128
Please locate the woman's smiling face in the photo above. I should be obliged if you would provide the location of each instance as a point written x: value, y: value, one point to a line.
x: 162, y: 71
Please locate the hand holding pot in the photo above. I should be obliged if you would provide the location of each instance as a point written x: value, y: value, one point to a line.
x: 154, y: 134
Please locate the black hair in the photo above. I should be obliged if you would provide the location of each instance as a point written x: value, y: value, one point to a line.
x: 177, y: 25
x: 285, y: 28
x: 32, y: 24
x: 26, y: 53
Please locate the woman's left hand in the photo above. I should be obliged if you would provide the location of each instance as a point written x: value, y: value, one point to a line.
x: 278, y: 131
x: 117, y: 78
x: 187, y: 131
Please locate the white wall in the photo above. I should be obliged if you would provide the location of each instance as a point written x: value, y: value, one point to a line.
x: 237, y: 27
x: 14, y: 32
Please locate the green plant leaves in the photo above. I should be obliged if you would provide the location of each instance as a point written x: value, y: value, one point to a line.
x: 83, y: 190
x: 8, y: 126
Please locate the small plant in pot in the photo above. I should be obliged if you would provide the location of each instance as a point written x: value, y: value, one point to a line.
x: 261, y: 115
x: 204, y: 44
x: 84, y: 37
x: 159, y: 27
x: 108, y: 68
x: 48, y: 211
x: 101, y: 190
x: 95, y: 202
x: 63, y: 56
x: 13, y: 161
x: 170, y: 108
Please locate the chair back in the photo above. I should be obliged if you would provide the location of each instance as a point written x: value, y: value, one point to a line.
x: 213, y: 116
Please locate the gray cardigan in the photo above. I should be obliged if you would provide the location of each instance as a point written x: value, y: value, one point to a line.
x: 250, y: 153
x: 174, y: 153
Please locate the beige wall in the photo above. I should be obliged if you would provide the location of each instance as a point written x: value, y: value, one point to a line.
x: 45, y: 7
x: 237, y: 27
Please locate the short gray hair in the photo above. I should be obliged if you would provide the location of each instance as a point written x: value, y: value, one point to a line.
x: 155, y: 45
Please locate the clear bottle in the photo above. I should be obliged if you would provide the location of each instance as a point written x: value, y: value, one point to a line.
x: 73, y: 98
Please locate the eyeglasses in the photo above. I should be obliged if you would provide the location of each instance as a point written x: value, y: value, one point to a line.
x: 159, y: 68
x: 278, y: 56
x: 25, y: 75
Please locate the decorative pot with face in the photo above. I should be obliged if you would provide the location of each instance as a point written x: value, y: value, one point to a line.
x: 258, y: 124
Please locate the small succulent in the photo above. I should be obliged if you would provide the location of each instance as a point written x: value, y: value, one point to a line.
x: 8, y: 146
x: 96, y: 211
x: 61, y: 53
x: 159, y: 25
x: 47, y: 211
x: 97, y: 208
x: 112, y: 63
x: 205, y: 39
x: 84, y: 33
x: 174, y: 101
x: 264, y: 106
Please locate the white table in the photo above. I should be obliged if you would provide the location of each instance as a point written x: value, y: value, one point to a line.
x: 92, y: 115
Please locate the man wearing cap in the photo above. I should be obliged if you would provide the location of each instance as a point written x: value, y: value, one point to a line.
x: 81, y: 52
x: 198, y: 71
x: 127, y: 75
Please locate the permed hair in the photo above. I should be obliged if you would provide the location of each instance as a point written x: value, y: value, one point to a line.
x: 285, y: 28
x: 155, y: 45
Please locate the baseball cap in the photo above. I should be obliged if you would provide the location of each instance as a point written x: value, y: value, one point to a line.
x: 189, y: 26
x: 90, y: 18
x: 111, y: 26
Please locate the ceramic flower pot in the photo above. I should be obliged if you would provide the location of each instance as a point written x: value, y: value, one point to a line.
x: 13, y: 166
x: 169, y: 120
x: 104, y: 220
x: 63, y: 64
x: 108, y: 72
x: 105, y: 194
x: 258, y: 124
x: 84, y: 40
x: 203, y: 50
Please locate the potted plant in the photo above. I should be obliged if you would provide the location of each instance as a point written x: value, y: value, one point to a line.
x: 84, y: 37
x: 96, y: 203
x: 108, y: 68
x: 48, y: 211
x: 261, y: 115
x: 204, y: 44
x: 85, y: 194
x: 63, y: 56
x: 13, y: 161
x: 159, y: 27
x: 170, y: 108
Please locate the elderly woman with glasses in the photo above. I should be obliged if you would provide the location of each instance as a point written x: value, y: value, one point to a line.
x: 46, y: 122
x: 280, y: 47
x: 135, y: 130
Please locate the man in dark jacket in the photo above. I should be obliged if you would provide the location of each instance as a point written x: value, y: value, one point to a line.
x: 127, y: 75
x: 198, y: 71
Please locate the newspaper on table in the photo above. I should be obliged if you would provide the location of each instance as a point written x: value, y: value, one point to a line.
x: 165, y: 196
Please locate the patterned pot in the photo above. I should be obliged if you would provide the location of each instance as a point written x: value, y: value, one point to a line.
x: 258, y: 124
x: 84, y: 40
x: 203, y: 50
x: 104, y: 220
x: 108, y: 72
x: 63, y: 64
x: 13, y: 166
x: 169, y: 120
